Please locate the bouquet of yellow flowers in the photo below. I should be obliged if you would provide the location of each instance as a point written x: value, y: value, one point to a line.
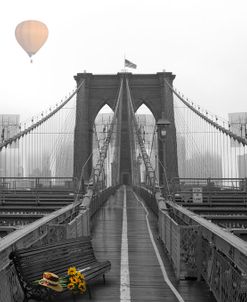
x: 75, y: 281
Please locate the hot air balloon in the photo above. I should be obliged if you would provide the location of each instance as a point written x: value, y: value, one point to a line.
x: 31, y: 35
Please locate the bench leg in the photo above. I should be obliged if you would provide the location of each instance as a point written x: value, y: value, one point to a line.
x: 74, y: 296
x: 89, y: 292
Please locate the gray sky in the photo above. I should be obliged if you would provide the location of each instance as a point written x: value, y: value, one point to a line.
x: 203, y: 42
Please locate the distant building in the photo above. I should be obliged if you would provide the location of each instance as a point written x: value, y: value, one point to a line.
x: 238, y: 123
x: 9, y: 125
x: 242, y: 166
x: 181, y: 153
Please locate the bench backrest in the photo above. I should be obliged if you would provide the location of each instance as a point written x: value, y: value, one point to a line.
x: 31, y: 263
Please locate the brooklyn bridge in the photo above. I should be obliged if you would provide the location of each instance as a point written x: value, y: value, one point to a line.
x: 161, y: 195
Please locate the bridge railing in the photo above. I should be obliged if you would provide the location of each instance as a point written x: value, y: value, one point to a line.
x: 185, y: 189
x: 199, y: 248
x: 37, y: 183
x: 210, y: 184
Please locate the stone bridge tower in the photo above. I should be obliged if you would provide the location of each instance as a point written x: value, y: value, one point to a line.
x: 98, y: 90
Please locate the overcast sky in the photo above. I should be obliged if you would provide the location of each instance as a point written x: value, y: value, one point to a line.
x: 203, y: 42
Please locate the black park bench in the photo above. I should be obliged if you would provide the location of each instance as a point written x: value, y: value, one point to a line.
x: 31, y: 263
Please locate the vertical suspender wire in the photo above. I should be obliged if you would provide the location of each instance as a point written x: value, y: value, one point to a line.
x: 30, y: 152
x: 38, y: 150
x: 218, y: 148
x: 33, y: 154
x: 203, y: 145
x: 225, y: 164
x: 190, y: 128
x: 25, y: 154
x: 226, y: 155
x: 223, y: 155
x: 15, y: 157
x: 231, y: 152
x: 217, y: 132
x: 42, y: 164
x: 26, y: 148
x: 18, y: 156
x: 207, y: 151
x: 35, y: 151
x: 22, y: 156
x: 43, y: 158
x: 28, y: 157
x: 245, y: 168
x: 236, y: 160
x: 232, y: 158
x: 213, y: 156
x: 10, y: 159
x: 52, y: 145
x: 244, y: 153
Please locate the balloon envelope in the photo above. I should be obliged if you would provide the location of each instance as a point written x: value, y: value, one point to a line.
x: 31, y: 35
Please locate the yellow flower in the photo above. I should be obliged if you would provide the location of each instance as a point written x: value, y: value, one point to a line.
x: 82, y: 276
x: 79, y: 275
x: 70, y: 286
x: 74, y: 280
x: 82, y: 283
x: 72, y: 271
x: 82, y: 287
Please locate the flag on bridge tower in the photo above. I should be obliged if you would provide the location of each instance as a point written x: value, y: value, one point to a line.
x: 129, y: 64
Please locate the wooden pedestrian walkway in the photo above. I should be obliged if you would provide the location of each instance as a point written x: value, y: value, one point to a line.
x: 144, y: 279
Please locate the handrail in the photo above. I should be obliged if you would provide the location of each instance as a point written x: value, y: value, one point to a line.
x: 229, y: 244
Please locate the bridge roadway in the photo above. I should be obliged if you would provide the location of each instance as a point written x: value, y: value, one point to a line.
x: 136, y: 274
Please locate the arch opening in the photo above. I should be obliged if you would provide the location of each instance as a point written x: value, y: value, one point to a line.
x: 147, y: 125
x: 101, y: 127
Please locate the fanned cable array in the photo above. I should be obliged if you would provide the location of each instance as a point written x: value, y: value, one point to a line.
x: 138, y: 147
x: 44, y: 148
x: 206, y: 146
x: 101, y: 162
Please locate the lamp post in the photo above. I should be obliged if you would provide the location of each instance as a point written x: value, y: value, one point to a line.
x: 139, y: 162
x: 162, y: 127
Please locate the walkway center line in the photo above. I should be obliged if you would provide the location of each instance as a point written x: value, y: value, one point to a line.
x: 124, y: 273
x: 165, y: 276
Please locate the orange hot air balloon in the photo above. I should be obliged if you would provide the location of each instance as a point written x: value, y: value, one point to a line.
x: 31, y: 35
